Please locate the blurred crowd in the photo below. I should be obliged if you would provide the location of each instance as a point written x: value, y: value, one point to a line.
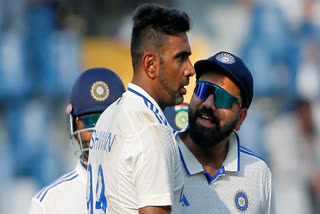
x: 41, y: 56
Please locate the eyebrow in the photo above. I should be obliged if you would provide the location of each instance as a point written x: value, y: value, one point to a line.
x: 182, y: 54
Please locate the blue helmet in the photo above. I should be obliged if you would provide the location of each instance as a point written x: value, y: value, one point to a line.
x: 93, y: 91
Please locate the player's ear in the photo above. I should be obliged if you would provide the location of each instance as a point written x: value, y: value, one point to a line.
x: 150, y: 64
x: 242, y: 117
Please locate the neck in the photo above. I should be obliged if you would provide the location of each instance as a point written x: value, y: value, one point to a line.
x: 211, y: 158
x: 149, y: 87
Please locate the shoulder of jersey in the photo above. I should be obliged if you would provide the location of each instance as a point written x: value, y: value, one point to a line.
x: 137, y: 110
x: 250, y: 157
x: 44, y: 192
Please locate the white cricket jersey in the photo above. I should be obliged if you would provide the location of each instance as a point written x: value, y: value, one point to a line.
x: 65, y: 195
x: 134, y: 161
x: 242, y: 185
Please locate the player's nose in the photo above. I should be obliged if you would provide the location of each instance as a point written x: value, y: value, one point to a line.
x: 209, y: 102
x: 190, y: 71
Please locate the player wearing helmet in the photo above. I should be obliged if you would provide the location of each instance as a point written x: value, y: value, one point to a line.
x: 94, y: 90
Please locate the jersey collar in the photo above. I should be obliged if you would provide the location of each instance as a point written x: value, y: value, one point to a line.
x: 142, y: 93
x: 193, y: 166
x: 149, y: 102
x: 189, y: 161
x: 232, y: 161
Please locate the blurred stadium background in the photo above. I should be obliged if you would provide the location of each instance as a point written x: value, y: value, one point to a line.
x: 45, y: 44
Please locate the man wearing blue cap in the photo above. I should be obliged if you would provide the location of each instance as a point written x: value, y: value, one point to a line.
x: 220, y: 175
x: 94, y: 90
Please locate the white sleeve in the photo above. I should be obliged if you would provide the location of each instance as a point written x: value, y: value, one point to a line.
x: 268, y: 194
x: 35, y: 207
x: 154, y: 170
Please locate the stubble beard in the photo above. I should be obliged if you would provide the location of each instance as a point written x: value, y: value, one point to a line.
x: 175, y: 96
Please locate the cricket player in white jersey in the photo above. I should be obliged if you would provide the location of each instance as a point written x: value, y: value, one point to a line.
x: 220, y: 175
x: 134, y: 163
x: 93, y: 91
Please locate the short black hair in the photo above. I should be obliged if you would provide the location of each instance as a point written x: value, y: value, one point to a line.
x: 151, y: 25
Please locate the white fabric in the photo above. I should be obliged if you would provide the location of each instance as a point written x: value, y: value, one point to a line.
x: 65, y: 195
x: 134, y: 147
x: 242, y: 185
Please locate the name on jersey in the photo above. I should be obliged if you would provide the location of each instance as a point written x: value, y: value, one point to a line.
x: 101, y: 140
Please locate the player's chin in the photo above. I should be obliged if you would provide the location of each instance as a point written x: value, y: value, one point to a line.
x: 183, y: 91
x: 179, y: 99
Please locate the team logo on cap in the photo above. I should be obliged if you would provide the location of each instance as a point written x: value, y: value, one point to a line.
x: 241, y: 201
x: 100, y: 91
x: 225, y: 58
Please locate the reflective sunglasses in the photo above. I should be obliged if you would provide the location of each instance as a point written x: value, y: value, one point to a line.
x: 89, y: 121
x: 222, y: 99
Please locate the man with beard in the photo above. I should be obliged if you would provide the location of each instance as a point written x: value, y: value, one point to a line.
x: 220, y: 175
x: 134, y: 163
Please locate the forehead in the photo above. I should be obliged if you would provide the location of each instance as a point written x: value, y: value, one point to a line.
x: 176, y: 43
x: 221, y: 80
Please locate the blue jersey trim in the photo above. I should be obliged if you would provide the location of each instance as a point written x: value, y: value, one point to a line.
x: 248, y: 152
x: 210, y: 178
x: 151, y: 107
x: 41, y: 191
x: 183, y: 199
x: 59, y: 179
x: 176, y: 133
x: 182, y: 160
x: 238, y: 145
x: 69, y: 179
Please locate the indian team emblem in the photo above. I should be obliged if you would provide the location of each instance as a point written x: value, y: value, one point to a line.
x: 181, y: 119
x: 225, y: 58
x: 100, y: 91
x: 241, y: 201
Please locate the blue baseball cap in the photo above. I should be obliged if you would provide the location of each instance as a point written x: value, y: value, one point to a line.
x: 177, y: 115
x: 234, y: 68
x: 94, y: 90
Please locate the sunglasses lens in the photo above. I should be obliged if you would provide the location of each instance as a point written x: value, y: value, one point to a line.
x: 203, y: 91
x: 90, y: 120
x: 222, y: 99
